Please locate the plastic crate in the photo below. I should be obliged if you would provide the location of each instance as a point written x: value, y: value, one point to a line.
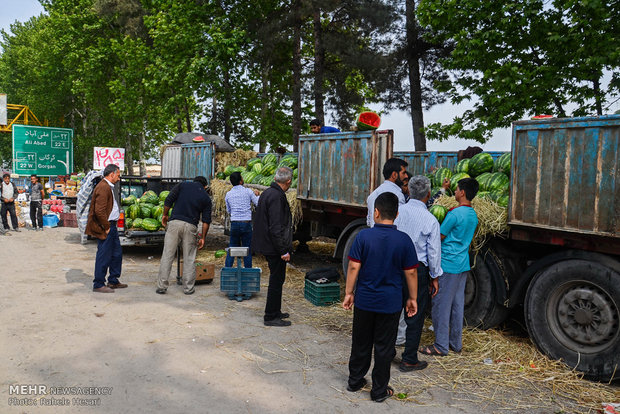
x: 240, y: 283
x: 322, y: 294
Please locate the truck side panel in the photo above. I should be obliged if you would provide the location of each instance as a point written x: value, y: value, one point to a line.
x: 343, y: 168
x: 566, y: 175
x: 171, y: 161
x: 421, y: 162
x: 198, y: 159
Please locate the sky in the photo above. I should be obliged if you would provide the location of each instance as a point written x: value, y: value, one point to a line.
x: 400, y: 122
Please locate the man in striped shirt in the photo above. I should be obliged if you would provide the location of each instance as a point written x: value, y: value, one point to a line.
x: 423, y: 229
x: 239, y: 202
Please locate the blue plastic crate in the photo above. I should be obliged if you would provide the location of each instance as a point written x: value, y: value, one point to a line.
x: 240, y: 283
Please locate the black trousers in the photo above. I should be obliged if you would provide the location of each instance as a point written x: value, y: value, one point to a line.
x: 416, y: 322
x: 378, y: 330
x: 36, y: 213
x: 277, y: 274
x: 10, y: 207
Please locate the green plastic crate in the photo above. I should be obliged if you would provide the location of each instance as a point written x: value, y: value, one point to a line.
x: 321, y: 294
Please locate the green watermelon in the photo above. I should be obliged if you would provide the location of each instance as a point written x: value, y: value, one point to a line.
x: 266, y: 181
x: 454, y: 181
x: 128, y: 223
x: 498, y: 182
x: 239, y: 169
x: 163, y: 195
x: 220, y: 176
x: 257, y: 168
x: 158, y: 218
x: 294, y: 183
x: 484, y: 194
x: 480, y: 163
x: 440, y: 175
x: 137, y: 223
x: 149, y: 205
x: 251, y: 163
x: 127, y: 201
x: 462, y: 166
x: 503, y: 163
x: 503, y: 200
x: 145, y: 211
x: 367, y: 121
x: 483, y: 181
x: 229, y: 170
x: 289, y: 161
x: 270, y: 159
x: 133, y: 211
x: 249, y: 179
x: 220, y: 253
x: 439, y: 212
x: 435, y: 190
x: 157, y: 211
x: 269, y: 169
x: 295, y: 173
x: 150, y: 224
x: 257, y: 179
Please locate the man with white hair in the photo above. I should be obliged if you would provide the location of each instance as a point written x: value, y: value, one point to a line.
x: 423, y: 229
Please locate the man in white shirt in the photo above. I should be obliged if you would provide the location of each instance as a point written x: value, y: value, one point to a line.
x: 424, y: 230
x: 239, y: 202
x: 394, y: 172
x: 8, y: 195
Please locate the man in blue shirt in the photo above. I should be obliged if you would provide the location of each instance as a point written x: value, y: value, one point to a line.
x: 457, y: 231
x: 191, y: 204
x: 377, y: 261
x: 239, y: 202
x: 317, y: 128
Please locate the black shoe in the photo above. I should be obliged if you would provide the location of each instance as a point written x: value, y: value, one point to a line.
x: 358, y: 387
x: 17, y: 230
x: 277, y: 322
x: 190, y: 292
x: 284, y: 315
x: 406, y: 367
x: 161, y: 291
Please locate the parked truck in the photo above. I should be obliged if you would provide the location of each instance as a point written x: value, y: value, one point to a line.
x: 560, y: 261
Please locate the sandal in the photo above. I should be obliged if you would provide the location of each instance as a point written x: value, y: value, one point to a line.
x: 359, y: 387
x: 388, y: 393
x: 430, y: 350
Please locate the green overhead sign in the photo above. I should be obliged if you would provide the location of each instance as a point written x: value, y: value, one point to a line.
x: 42, y: 150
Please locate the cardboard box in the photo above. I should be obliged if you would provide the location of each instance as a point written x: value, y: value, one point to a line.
x: 205, y: 272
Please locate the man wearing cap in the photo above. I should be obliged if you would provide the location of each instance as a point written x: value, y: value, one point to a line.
x: 102, y: 217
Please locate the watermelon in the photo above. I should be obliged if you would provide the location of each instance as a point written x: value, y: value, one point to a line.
x: 199, y: 139
x: 289, y: 161
x: 150, y: 224
x: 266, y: 181
x: 133, y: 211
x: 440, y: 175
x: 150, y: 198
x: 229, y: 170
x: 439, y: 212
x: 163, y: 195
x: 239, y: 169
x: 145, y: 211
x: 249, y: 178
x: 484, y: 194
x: 137, y: 223
x: 435, y: 190
x: 269, y: 169
x: 127, y: 201
x: 462, y: 166
x: 257, y: 168
x: 295, y: 173
x: 367, y: 121
x: 220, y: 253
x: 128, y: 223
x: 503, y: 200
x: 257, y: 179
x: 270, y: 159
x: 294, y: 183
x: 454, y: 181
x: 158, y: 218
x: 157, y: 211
x: 220, y: 176
x: 483, y: 181
x: 498, y: 182
x: 149, y: 205
x: 502, y: 164
x: 480, y: 163
x: 251, y: 163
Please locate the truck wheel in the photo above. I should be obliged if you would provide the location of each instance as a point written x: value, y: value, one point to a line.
x: 572, y: 312
x: 481, y: 307
x: 347, y: 248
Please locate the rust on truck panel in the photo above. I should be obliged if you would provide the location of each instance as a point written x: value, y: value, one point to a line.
x: 566, y: 176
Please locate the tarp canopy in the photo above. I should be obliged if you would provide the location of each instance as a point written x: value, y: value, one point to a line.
x: 187, y: 138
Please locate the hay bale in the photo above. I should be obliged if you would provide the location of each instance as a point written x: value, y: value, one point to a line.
x: 238, y: 158
x: 492, y: 219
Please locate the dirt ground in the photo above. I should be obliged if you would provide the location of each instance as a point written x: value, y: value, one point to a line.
x: 134, y: 351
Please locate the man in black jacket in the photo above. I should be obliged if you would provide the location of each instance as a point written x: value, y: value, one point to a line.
x: 273, y: 237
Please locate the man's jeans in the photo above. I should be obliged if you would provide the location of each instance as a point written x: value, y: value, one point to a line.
x: 240, y: 235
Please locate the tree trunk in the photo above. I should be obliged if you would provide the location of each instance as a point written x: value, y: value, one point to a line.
x: 188, y: 121
x: 319, y: 67
x: 264, y: 107
x: 415, y: 88
x: 596, y: 85
x: 213, y: 120
x: 227, y: 105
x: 141, y: 154
x: 296, y: 98
x: 128, y: 154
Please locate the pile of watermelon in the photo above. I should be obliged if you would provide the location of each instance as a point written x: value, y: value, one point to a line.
x: 145, y: 213
x: 261, y: 171
x: 493, y: 177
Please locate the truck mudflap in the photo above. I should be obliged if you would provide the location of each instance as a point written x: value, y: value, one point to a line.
x: 142, y: 238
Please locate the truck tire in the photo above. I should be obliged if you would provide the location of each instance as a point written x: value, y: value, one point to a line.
x: 481, y: 307
x: 572, y: 312
x: 347, y: 248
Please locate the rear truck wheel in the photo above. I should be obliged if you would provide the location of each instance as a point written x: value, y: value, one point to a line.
x: 572, y: 312
x: 482, y: 308
x: 347, y: 248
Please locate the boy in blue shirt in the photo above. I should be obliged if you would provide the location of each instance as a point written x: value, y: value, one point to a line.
x: 457, y: 231
x: 378, y: 259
